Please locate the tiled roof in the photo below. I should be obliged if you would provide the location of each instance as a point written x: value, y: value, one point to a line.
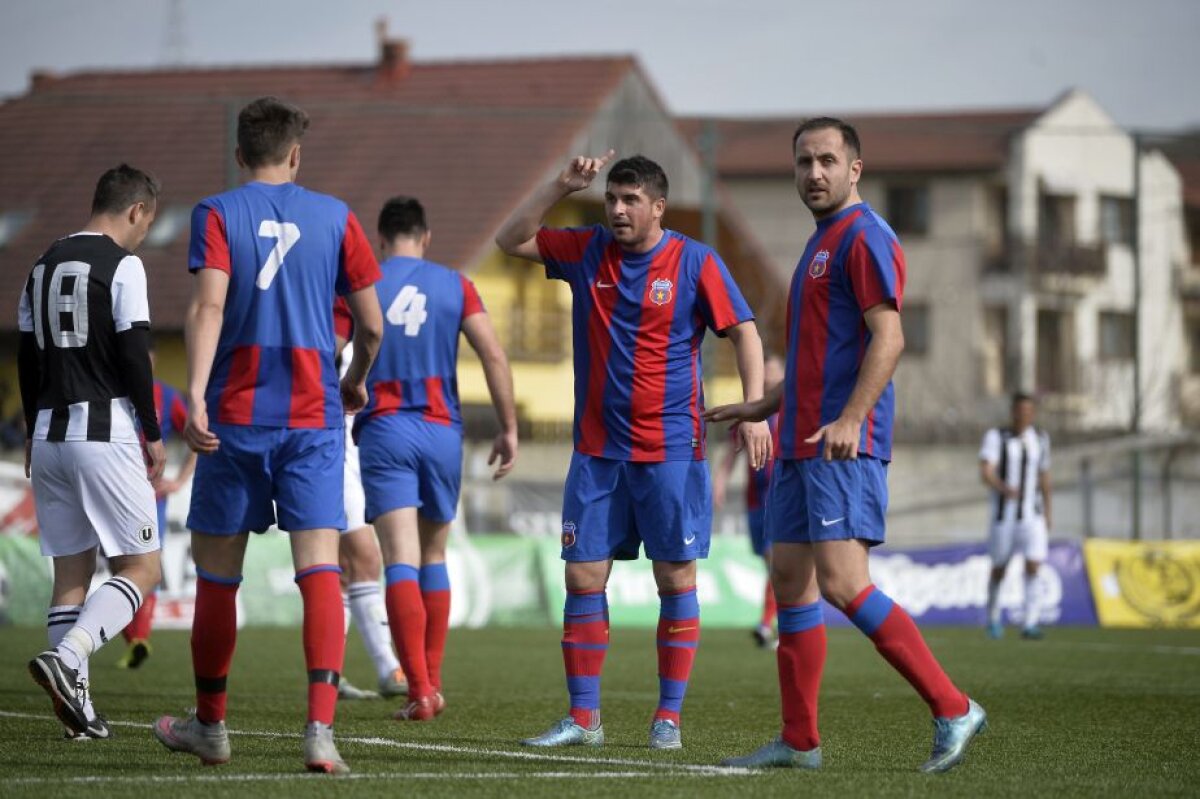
x: 936, y: 142
x: 468, y: 138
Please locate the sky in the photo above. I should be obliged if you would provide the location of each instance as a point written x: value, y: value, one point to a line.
x: 1140, y: 60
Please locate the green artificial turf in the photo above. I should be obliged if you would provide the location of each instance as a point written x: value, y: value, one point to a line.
x: 1086, y: 712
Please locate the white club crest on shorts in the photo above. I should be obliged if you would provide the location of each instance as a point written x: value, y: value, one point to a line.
x: 568, y: 535
x: 819, y: 265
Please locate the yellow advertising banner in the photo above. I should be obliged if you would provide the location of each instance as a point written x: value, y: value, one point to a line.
x: 1145, y: 584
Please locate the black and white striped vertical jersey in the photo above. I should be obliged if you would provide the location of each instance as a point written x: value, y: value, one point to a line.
x: 84, y: 291
x: 1019, y: 460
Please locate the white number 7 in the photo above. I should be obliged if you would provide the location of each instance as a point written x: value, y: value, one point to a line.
x: 286, y: 234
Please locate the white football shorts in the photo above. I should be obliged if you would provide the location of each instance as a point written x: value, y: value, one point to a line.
x: 356, y: 501
x: 89, y: 493
x: 1027, y: 537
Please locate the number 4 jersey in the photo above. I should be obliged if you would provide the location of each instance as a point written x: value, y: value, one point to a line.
x: 424, y: 305
x: 287, y: 251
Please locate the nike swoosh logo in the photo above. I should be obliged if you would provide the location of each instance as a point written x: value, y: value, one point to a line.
x: 687, y: 542
x: 600, y: 285
x: 831, y: 521
x: 673, y: 630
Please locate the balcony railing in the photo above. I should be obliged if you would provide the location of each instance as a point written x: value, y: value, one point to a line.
x: 1047, y: 259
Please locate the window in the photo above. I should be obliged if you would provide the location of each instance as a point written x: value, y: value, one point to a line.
x: 1056, y: 365
x: 1116, y: 336
x: 1116, y: 220
x: 538, y: 327
x: 11, y: 223
x: 908, y: 209
x: 169, y: 223
x: 915, y: 319
x: 1056, y: 220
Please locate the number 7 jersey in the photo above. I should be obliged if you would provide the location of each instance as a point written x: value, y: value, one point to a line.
x: 288, y: 251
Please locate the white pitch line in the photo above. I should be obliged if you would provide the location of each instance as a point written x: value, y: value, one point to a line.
x: 390, y: 775
x: 465, y: 750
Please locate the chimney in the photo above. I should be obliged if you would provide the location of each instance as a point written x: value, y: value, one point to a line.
x: 41, y: 78
x: 393, y: 54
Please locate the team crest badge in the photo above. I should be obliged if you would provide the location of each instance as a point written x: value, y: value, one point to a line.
x: 660, y: 291
x: 568, y: 535
x: 146, y: 533
x: 819, y: 265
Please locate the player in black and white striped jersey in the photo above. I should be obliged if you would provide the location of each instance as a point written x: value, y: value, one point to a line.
x: 1015, y: 464
x: 86, y: 384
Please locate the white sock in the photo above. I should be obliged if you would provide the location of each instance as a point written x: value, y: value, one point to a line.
x: 345, y: 613
x: 993, y: 601
x: 106, y: 612
x: 1032, y: 611
x: 59, y: 619
x: 370, y: 616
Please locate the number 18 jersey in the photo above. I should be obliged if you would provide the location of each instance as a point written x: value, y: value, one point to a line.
x: 287, y: 251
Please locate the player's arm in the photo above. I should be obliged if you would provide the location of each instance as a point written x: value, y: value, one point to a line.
x: 879, y: 363
x: 1044, y: 482
x: 482, y: 337
x: 721, y: 474
x: 748, y: 411
x: 29, y: 372
x: 131, y: 321
x: 201, y: 332
x: 989, y: 458
x: 518, y: 235
x: 368, y: 334
x: 755, y: 436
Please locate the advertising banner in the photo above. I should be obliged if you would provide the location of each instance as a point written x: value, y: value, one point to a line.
x: 1143, y: 584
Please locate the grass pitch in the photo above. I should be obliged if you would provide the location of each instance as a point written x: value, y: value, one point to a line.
x: 1086, y: 712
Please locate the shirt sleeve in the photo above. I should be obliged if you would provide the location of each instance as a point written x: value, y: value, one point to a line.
x: 357, y: 268
x: 876, y: 269
x: 720, y: 300
x: 989, y: 450
x: 209, y: 247
x: 562, y: 249
x: 130, y: 305
x: 343, y: 321
x: 24, y: 312
x: 472, y: 304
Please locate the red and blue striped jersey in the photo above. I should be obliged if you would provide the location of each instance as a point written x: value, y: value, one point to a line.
x: 424, y: 305
x: 852, y: 263
x: 638, y: 320
x: 287, y: 251
x: 170, y: 408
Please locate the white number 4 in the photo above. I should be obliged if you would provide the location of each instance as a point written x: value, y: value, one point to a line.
x: 408, y: 309
x: 286, y: 235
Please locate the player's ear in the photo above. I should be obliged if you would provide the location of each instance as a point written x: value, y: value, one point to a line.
x: 294, y: 157
x: 237, y: 154
x: 855, y: 170
x: 660, y: 207
x: 426, y: 237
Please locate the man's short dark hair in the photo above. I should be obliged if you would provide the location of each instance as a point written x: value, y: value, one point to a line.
x: 849, y: 134
x: 123, y: 186
x: 1022, y: 396
x: 267, y: 129
x: 640, y: 171
x: 402, y: 216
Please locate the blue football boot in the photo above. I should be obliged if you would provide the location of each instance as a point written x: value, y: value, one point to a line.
x: 567, y: 733
x: 664, y: 734
x: 951, y: 736
x: 777, y: 754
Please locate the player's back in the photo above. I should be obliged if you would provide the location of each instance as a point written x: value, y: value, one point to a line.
x: 287, y: 251
x: 424, y: 305
x: 83, y: 291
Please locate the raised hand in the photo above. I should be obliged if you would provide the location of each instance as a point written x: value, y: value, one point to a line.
x: 580, y: 173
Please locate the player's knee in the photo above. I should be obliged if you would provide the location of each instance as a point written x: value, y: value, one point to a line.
x: 838, y: 591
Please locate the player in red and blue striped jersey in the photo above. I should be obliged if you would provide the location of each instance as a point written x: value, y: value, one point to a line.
x: 829, y: 494
x: 643, y: 297
x: 172, y: 416
x: 758, y: 484
x: 264, y: 411
x: 411, y: 442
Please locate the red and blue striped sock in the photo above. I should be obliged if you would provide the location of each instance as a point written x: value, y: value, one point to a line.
x: 324, y: 637
x: 214, y: 637
x: 584, y: 645
x: 406, y: 617
x: 435, y: 594
x: 800, y: 660
x: 897, y: 638
x: 678, y: 637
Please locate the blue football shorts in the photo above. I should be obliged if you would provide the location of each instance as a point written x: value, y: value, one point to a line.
x: 816, y: 500
x: 260, y: 475
x: 612, y: 508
